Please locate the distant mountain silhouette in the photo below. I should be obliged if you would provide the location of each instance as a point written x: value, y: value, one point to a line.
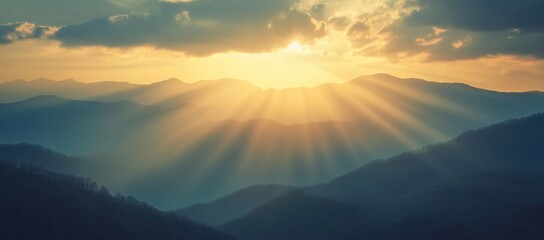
x: 374, y: 98
x: 480, y: 185
x: 38, y: 204
x: 75, y: 127
x: 18, y: 90
x: 233, y: 206
x: 167, y: 93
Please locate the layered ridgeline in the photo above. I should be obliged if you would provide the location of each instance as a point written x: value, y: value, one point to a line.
x: 372, y: 98
x: 484, y: 184
x: 202, y: 140
x: 39, y: 204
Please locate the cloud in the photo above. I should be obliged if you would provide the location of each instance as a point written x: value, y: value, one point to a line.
x: 480, y: 15
x: 395, y: 29
x: 201, y: 27
x: 341, y: 22
x: 63, y: 12
x: 468, y: 29
x: 23, y: 30
x: 457, y: 44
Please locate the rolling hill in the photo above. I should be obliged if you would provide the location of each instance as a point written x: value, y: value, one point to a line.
x: 233, y: 206
x: 476, y: 186
x: 107, y: 168
x: 38, y: 204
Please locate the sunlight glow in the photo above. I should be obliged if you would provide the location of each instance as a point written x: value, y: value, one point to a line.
x: 288, y: 136
x: 295, y: 47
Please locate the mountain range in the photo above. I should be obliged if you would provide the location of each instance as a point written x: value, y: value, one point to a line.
x: 379, y: 97
x: 484, y: 184
x: 202, y: 140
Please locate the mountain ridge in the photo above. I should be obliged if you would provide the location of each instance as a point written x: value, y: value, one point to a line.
x: 38, y: 204
x: 459, y: 189
x: 383, y: 76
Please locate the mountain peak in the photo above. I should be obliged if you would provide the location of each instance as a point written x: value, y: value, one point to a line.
x: 170, y: 81
x: 42, y: 80
x: 378, y: 77
x: 228, y: 82
x: 45, y: 99
x: 69, y: 80
x: 383, y: 76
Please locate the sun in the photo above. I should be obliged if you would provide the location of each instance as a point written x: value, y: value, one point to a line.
x: 295, y: 47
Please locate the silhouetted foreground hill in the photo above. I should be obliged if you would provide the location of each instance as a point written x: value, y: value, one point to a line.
x: 38, y: 204
x: 481, y: 185
x: 297, y: 215
x: 234, y: 205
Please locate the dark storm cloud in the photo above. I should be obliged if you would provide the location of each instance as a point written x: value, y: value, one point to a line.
x: 201, y: 27
x: 460, y: 29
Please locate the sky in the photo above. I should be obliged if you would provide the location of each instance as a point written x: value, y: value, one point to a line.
x: 493, y: 44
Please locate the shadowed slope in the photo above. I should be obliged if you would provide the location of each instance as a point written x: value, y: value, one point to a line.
x: 513, y: 144
x: 107, y: 168
x: 281, y: 219
x: 474, y: 187
x: 233, y: 206
x: 37, y: 204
